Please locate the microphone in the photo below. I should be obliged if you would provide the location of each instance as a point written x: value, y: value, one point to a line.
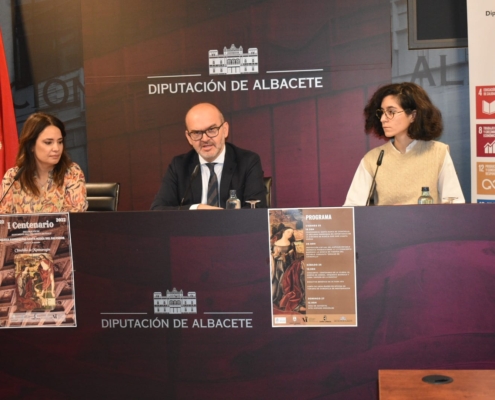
x: 193, y: 175
x: 373, y: 183
x: 16, y: 177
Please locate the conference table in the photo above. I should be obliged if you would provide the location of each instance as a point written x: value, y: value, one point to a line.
x: 425, y: 300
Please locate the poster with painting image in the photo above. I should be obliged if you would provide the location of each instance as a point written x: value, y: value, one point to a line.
x: 312, y: 267
x: 37, y: 272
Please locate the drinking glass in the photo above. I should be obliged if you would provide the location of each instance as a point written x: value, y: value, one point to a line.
x: 253, y: 202
x: 450, y: 200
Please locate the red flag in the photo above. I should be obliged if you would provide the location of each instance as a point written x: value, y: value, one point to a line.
x: 9, y: 141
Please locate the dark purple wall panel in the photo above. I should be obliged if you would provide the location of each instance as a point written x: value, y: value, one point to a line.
x: 295, y: 141
x: 301, y: 138
x: 145, y: 158
x: 340, y: 135
x: 172, y: 142
x: 115, y: 154
x: 252, y: 129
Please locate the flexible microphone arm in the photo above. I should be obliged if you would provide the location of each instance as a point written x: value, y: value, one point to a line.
x: 373, y: 183
x: 16, y: 177
x: 193, y: 175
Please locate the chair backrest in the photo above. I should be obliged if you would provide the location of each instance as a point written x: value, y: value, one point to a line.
x: 267, y: 180
x: 102, y: 196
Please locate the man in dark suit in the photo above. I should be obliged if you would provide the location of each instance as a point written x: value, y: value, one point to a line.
x: 234, y: 168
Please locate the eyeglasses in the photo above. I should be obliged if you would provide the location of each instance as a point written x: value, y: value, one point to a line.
x: 390, y: 114
x: 210, y: 132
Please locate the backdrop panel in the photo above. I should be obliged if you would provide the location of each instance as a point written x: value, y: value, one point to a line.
x: 297, y: 101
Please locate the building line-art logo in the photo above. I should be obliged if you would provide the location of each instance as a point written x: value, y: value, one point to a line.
x: 174, y: 302
x: 233, y: 61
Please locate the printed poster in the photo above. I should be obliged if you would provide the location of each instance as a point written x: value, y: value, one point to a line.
x: 312, y: 267
x: 37, y: 285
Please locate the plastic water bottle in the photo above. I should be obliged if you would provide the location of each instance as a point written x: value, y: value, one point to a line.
x: 425, y: 197
x: 233, y: 202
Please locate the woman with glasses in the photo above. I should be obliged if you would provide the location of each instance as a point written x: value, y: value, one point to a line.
x: 403, y: 114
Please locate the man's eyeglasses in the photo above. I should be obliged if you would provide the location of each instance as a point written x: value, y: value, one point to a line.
x: 390, y: 114
x: 210, y: 132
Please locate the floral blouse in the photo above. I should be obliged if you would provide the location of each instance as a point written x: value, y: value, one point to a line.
x: 70, y: 197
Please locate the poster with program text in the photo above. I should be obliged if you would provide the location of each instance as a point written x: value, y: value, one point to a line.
x: 37, y: 285
x: 312, y: 267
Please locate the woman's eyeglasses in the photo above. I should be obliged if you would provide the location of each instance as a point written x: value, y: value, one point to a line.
x: 390, y: 114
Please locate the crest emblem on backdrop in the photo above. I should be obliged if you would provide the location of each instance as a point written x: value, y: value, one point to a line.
x: 233, y: 61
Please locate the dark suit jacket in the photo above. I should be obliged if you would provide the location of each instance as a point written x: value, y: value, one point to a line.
x: 241, y: 171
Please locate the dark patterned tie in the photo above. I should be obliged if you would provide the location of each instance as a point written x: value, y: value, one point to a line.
x: 212, y: 198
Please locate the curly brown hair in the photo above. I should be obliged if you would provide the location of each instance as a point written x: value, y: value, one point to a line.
x: 427, y: 124
x: 34, y: 125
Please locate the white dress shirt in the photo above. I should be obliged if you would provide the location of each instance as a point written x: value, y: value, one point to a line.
x: 205, y: 176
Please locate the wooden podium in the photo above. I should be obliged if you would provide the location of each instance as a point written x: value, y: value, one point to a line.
x: 408, y: 385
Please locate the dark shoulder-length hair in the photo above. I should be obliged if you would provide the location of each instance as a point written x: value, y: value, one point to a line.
x: 427, y: 124
x: 34, y: 125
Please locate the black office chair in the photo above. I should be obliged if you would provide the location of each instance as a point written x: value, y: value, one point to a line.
x: 102, y: 196
x: 267, y: 180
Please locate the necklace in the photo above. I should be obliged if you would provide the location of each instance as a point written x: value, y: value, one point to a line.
x: 42, y: 184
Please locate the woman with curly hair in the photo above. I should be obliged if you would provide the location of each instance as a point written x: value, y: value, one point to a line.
x: 403, y: 114
x: 44, y: 179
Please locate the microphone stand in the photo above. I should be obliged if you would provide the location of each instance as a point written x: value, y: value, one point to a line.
x: 373, y: 183
x: 16, y: 177
x: 188, y: 189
